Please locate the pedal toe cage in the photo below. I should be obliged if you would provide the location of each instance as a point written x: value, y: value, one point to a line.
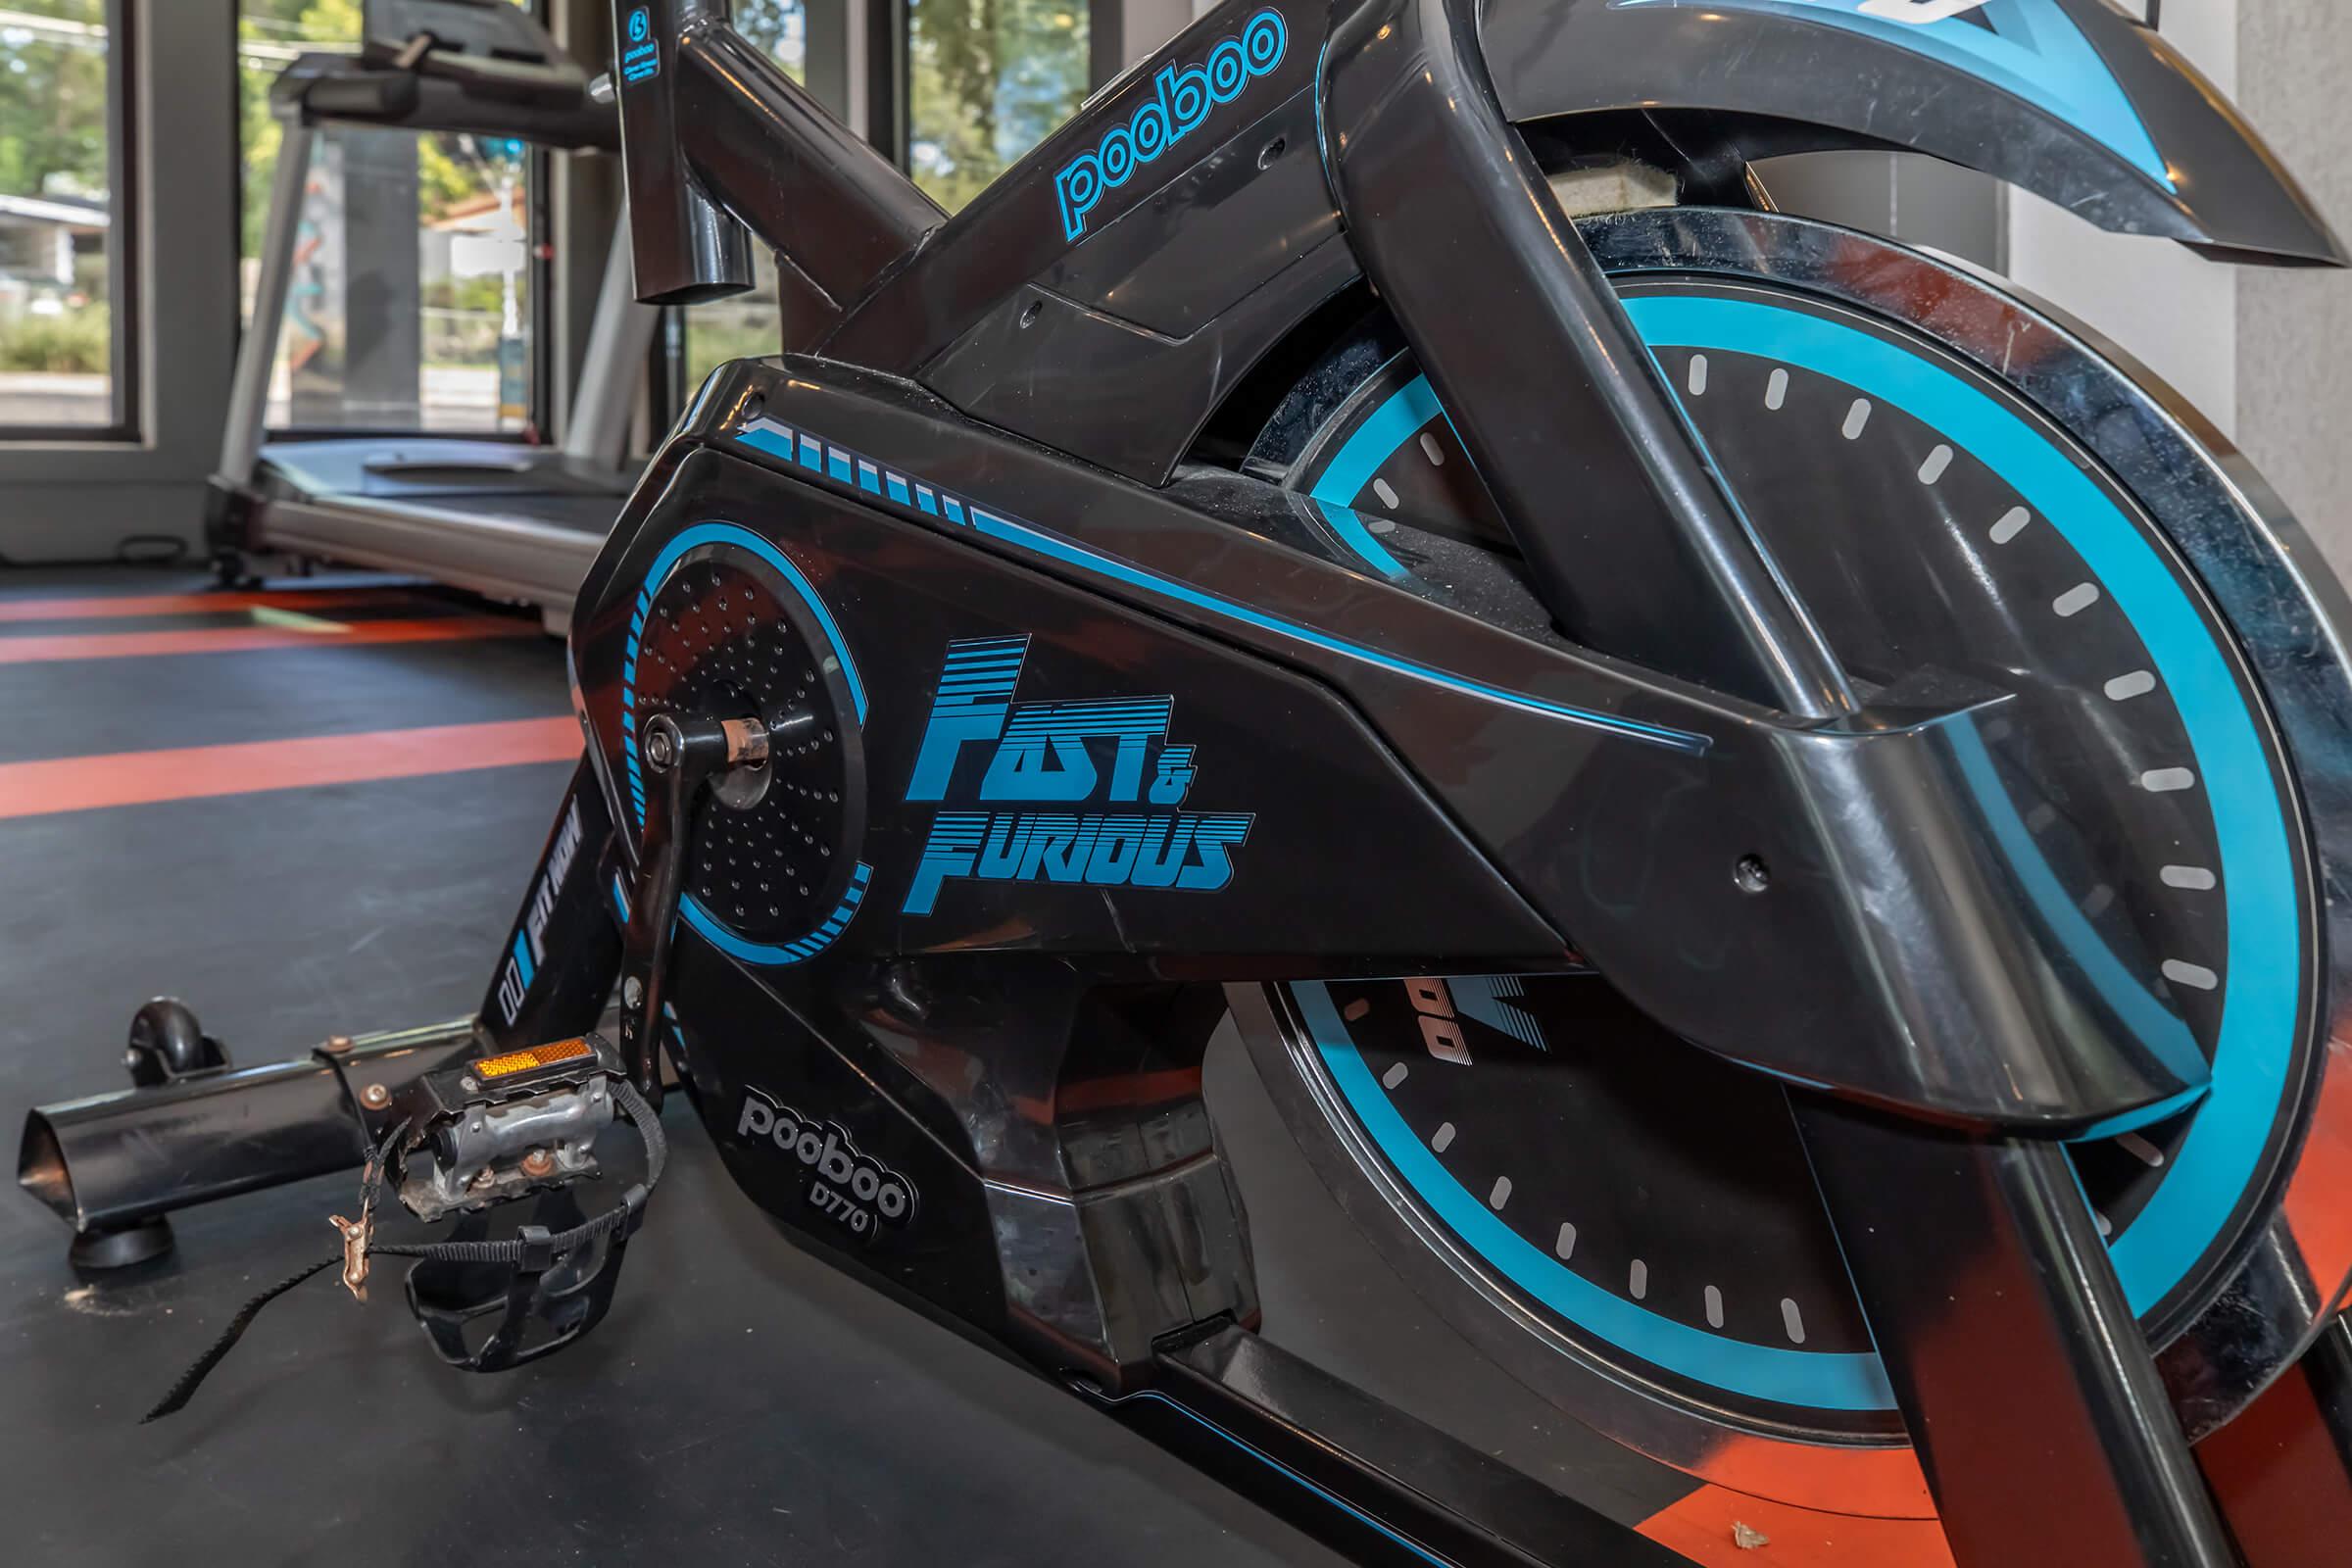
x: 483, y: 1134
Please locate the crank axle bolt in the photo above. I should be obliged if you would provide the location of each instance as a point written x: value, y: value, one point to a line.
x: 661, y: 744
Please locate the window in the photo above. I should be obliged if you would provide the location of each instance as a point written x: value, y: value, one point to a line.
x: 988, y: 80
x: 410, y: 304
x: 60, y: 230
x: 746, y: 326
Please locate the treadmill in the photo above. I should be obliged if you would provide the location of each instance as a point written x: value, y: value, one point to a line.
x: 499, y: 517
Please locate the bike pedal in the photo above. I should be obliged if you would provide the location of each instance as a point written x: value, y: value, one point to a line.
x: 496, y: 1129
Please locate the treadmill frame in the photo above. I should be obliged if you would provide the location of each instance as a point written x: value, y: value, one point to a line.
x: 507, y: 555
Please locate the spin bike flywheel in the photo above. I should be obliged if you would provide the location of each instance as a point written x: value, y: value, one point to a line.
x: 1947, y: 479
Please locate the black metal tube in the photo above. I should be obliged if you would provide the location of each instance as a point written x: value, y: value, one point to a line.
x: 113, y: 1160
x: 717, y: 142
x: 1506, y: 311
x: 2032, y: 1399
x: 800, y: 179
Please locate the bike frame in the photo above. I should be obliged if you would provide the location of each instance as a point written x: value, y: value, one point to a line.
x: 1381, y: 149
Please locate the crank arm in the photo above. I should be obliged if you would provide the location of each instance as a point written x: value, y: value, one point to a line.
x: 683, y: 754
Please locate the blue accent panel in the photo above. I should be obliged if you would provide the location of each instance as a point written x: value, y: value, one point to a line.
x: 1287, y: 1472
x: 837, y: 466
x: 1809, y: 1378
x: 869, y: 479
x: 813, y: 454
x: 897, y: 487
x: 2031, y: 51
x: 620, y: 899
x: 2256, y: 1045
x: 955, y: 510
x: 522, y: 958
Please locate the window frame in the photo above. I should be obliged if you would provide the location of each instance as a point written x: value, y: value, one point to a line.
x: 123, y: 424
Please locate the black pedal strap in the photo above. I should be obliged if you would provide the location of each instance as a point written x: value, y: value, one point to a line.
x: 534, y: 1248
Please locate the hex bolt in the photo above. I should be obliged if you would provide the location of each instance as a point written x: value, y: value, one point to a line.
x: 660, y: 744
x: 468, y: 1084
x: 1751, y: 874
x: 538, y: 1163
x: 337, y: 1045
x: 376, y: 1097
x: 631, y: 993
x: 480, y: 1178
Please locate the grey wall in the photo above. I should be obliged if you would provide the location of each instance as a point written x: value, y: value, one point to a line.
x: 2294, y: 328
x: 79, y: 498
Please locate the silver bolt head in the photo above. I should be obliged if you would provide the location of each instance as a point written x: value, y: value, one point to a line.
x: 631, y: 993
x: 376, y: 1097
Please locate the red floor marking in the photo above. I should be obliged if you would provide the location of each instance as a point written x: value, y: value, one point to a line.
x: 138, y: 778
x: 43, y: 648
x: 98, y: 605
x: 1706, y: 1528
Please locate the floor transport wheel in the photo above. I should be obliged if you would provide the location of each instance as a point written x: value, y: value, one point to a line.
x: 1948, y: 478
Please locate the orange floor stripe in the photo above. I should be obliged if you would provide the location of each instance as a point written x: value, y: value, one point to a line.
x: 1723, y: 1529
x: 138, y: 778
x: 100, y: 605
x: 44, y: 647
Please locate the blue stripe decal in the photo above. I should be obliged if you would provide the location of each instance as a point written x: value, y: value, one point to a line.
x: 1054, y: 547
x: 1049, y: 545
x: 522, y: 958
x: 1809, y: 1378
x: 2033, y: 50
x: 2214, y: 1165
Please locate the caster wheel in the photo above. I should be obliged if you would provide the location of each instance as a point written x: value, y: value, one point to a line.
x: 167, y: 1042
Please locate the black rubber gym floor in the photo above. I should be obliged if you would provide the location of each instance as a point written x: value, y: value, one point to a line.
x: 742, y: 1404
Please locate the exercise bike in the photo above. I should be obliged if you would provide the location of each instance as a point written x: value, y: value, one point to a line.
x: 1772, y: 813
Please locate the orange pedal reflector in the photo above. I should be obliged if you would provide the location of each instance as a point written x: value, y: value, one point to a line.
x: 547, y: 1055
